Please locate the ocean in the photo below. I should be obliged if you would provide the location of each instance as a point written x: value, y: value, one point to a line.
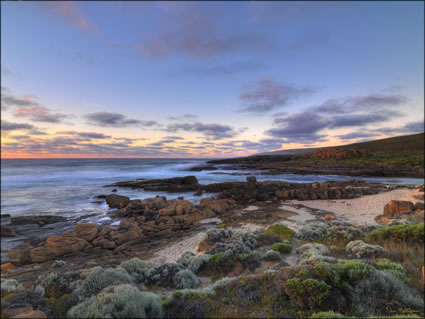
x: 67, y: 187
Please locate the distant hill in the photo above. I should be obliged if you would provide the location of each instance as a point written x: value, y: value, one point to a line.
x: 403, y: 145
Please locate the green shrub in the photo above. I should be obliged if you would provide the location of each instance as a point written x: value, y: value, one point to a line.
x: 328, y: 272
x: 123, y: 301
x: 381, y: 293
x: 198, y: 262
x: 267, y: 238
x: 186, y: 279
x: 188, y: 304
x: 186, y: 258
x: 327, y: 315
x: 396, y: 270
x: 222, y: 283
x: 282, y: 247
x: 99, y: 278
x: 280, y: 230
x: 308, y: 293
x: 137, y: 268
x: 271, y: 255
x: 303, y: 274
x: 221, y: 262
x: 409, y: 233
x: 353, y: 270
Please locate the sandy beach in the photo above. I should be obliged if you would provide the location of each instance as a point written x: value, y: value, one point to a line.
x: 361, y: 210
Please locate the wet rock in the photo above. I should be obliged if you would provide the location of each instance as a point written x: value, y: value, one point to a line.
x: 6, y: 231
x: 114, y: 190
x: 395, y: 207
x: 4, y: 215
x: 176, y: 184
x: 117, y: 201
x: 198, y: 193
x: 40, y: 220
x: 203, y: 168
x: 251, y: 179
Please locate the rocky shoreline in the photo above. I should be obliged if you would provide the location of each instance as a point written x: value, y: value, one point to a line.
x: 155, y: 230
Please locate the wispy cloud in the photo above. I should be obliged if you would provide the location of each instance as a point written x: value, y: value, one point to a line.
x: 222, y: 69
x: 267, y: 95
x: 12, y: 126
x: 90, y: 135
x: 210, y: 131
x: 116, y: 120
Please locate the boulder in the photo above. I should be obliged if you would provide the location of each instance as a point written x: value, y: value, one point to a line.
x: 107, y: 229
x: 218, y: 206
x: 35, y: 314
x: 6, y: 231
x: 20, y: 254
x: 329, y: 217
x: 117, y: 201
x: 419, y: 206
x: 7, y: 267
x: 62, y: 245
x: 395, y: 207
x: 86, y: 231
x: 183, y: 207
x: 282, y: 194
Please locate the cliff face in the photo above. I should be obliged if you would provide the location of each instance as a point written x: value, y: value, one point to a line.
x: 335, y: 153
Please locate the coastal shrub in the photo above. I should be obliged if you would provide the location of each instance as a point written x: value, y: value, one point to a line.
x: 410, y: 233
x: 188, y: 304
x: 312, y: 253
x: 308, y: 293
x: 164, y: 275
x: 137, y: 268
x: 280, y: 230
x: 328, y: 272
x: 221, y: 262
x: 267, y: 239
x: 58, y: 263
x: 303, y: 274
x: 52, y: 285
x: 282, y: 247
x: 10, y: 285
x: 186, y: 258
x: 223, y: 282
x: 99, y: 278
x: 396, y: 270
x: 271, y: 255
x: 198, y: 262
x: 186, y: 279
x: 311, y: 232
x: 327, y: 315
x: 122, y: 301
x: 360, y: 249
x: 353, y: 270
x: 252, y: 260
x: 381, y: 293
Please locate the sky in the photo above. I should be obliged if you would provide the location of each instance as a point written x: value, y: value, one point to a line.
x: 204, y: 80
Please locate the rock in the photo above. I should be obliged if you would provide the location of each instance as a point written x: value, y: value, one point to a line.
x: 6, y: 231
x: 360, y: 249
x: 203, y: 168
x: 419, y: 206
x: 381, y: 219
x: 114, y: 190
x: 218, y: 206
x: 189, y: 180
x: 87, y: 231
x: 117, y: 201
x: 395, y: 207
x: 107, y: 229
x: 198, y: 193
x: 40, y: 220
x: 7, y: 267
x: 15, y: 311
x: 4, y: 215
x: 100, y: 196
x: 329, y: 217
x: 20, y: 254
x: 35, y: 314
x: 176, y: 184
x: 61, y: 245
x: 251, y: 179
x: 183, y: 207
x: 282, y: 194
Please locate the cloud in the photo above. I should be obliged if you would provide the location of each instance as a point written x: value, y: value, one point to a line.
x: 12, y: 126
x: 210, y: 131
x: 90, y: 135
x: 70, y: 13
x: 354, y: 135
x: 411, y: 127
x: 173, y: 137
x: 115, y: 120
x: 355, y: 103
x: 192, y: 32
x: 299, y: 127
x: 186, y: 116
x: 222, y: 69
x: 40, y: 114
x: 363, y: 119
x: 267, y: 95
x: 8, y: 100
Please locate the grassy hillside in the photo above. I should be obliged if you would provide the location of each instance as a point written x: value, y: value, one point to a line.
x: 400, y: 145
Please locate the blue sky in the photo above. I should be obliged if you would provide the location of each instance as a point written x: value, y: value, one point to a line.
x: 252, y: 76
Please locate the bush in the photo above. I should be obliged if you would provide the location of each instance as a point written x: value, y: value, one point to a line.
x: 99, y: 278
x: 410, y: 233
x: 10, y: 285
x: 396, y: 270
x: 328, y: 272
x: 327, y: 315
x: 198, y: 262
x: 137, y: 268
x: 222, y: 283
x: 186, y: 258
x: 221, y: 262
x: 280, y: 230
x: 186, y: 279
x: 123, y: 301
x: 164, y: 275
x: 312, y: 253
x: 353, y: 270
x: 282, y: 247
x: 188, y: 304
x: 308, y: 293
x: 265, y: 239
x: 271, y: 255
x: 360, y: 249
x: 380, y: 293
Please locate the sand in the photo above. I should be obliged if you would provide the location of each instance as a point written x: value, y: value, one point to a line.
x: 363, y: 210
